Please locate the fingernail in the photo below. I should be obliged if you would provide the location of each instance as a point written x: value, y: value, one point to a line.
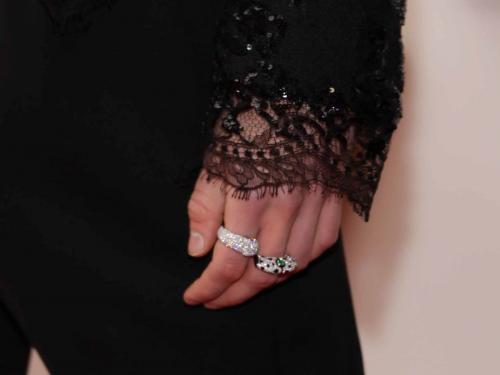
x: 195, y: 243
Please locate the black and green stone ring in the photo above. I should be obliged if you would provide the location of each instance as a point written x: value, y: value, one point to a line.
x: 275, y: 265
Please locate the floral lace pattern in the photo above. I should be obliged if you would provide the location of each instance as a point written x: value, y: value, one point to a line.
x: 268, y: 133
x: 271, y: 129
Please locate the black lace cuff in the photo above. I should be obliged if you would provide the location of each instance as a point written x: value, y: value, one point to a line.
x: 286, y: 114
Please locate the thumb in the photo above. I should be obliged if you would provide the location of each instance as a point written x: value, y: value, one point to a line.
x: 205, y: 212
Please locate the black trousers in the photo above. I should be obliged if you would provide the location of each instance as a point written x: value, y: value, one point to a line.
x: 98, y: 157
x: 105, y: 298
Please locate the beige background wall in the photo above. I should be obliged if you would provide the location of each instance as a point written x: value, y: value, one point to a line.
x: 425, y: 271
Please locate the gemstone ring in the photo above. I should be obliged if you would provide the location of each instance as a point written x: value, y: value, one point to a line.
x: 275, y: 265
x: 244, y: 245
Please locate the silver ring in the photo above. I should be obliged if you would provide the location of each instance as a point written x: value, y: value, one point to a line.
x: 275, y: 265
x: 244, y: 245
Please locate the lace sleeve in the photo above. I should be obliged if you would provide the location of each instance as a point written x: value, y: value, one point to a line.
x: 307, y: 93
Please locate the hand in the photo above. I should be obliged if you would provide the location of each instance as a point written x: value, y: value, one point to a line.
x: 301, y: 224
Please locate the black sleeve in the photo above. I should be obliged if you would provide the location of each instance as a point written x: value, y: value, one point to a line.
x: 307, y: 93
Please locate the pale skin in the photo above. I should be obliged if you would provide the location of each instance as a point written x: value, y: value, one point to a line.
x: 301, y: 223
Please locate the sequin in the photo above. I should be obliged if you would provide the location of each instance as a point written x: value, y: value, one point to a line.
x: 230, y: 124
x: 280, y: 133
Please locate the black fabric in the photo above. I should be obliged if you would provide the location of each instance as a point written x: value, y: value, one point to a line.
x: 14, y: 346
x: 96, y: 301
x: 307, y: 94
x: 101, y: 139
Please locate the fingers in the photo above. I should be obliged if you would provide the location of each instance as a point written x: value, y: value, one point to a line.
x: 274, y: 231
x: 227, y: 265
x: 327, y: 231
x: 299, y: 223
x: 300, y: 243
x: 205, y: 211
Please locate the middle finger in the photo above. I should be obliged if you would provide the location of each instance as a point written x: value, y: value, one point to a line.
x: 227, y: 265
x: 273, y: 236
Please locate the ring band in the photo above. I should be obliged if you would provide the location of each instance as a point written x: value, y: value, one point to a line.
x: 275, y: 265
x: 244, y: 245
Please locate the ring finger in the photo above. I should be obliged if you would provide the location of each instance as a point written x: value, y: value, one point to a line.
x: 303, y: 233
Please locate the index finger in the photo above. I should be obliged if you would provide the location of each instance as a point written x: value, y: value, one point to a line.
x: 227, y: 265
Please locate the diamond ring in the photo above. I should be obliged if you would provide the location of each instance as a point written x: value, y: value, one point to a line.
x: 275, y: 265
x: 244, y: 245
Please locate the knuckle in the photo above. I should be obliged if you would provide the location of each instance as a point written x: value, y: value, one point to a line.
x: 283, y: 213
x: 291, y: 204
x: 197, y: 208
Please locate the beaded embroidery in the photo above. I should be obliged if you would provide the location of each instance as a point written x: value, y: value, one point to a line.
x: 269, y: 134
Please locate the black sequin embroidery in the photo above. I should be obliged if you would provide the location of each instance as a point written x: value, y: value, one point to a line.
x: 268, y: 133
